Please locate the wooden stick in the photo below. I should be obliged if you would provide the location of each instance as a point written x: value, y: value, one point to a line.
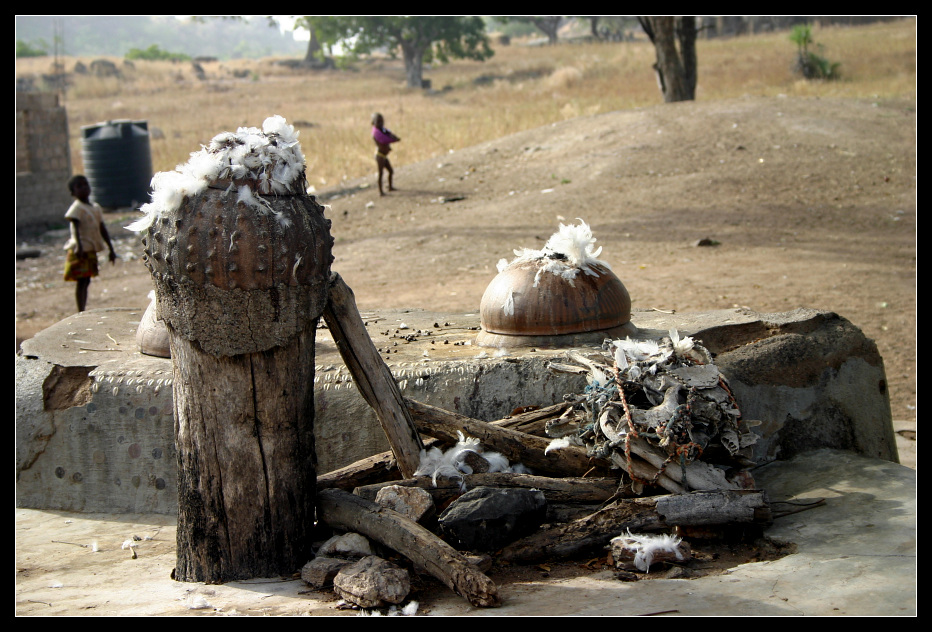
x: 345, y: 511
x: 533, y: 422
x: 556, y: 490
x: 642, y: 514
x: 699, y: 475
x: 585, y: 534
x: 514, y: 445
x: 373, y: 378
x: 378, y: 468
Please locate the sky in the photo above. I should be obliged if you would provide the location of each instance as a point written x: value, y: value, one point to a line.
x: 285, y: 24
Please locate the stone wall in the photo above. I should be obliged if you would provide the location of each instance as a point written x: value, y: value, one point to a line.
x: 43, y: 160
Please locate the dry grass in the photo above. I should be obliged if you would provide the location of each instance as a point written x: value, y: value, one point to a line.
x: 519, y: 88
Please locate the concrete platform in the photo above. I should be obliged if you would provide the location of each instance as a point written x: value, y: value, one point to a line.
x: 856, y: 556
x: 94, y: 427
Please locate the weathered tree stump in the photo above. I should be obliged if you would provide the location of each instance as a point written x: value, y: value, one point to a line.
x: 241, y: 281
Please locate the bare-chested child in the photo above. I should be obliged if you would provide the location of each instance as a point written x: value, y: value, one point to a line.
x: 383, y: 139
x: 88, y: 237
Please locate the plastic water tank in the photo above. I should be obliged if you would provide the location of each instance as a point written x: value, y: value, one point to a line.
x: 117, y: 162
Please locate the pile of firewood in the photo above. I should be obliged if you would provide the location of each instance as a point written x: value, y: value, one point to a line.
x: 612, y: 498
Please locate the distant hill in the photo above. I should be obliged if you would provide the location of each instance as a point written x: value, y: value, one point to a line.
x: 87, y: 35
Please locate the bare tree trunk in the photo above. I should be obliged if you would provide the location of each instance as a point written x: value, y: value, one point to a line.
x: 550, y: 26
x: 414, y: 65
x: 313, y: 47
x: 674, y: 40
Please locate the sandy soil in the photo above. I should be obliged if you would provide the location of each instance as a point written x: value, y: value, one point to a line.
x: 811, y: 203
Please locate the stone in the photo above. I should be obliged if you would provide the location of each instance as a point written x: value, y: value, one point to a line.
x: 815, y: 381
x: 476, y: 462
x: 320, y: 571
x: 372, y: 582
x: 486, y: 518
x: 412, y: 502
x: 348, y: 545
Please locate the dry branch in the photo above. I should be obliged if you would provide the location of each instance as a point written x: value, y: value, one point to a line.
x: 377, y: 468
x: 515, y: 446
x: 532, y: 422
x: 642, y: 514
x: 373, y: 378
x: 556, y: 490
x: 345, y: 511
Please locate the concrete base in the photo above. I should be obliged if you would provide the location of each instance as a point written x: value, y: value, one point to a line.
x: 95, y: 432
x: 856, y: 555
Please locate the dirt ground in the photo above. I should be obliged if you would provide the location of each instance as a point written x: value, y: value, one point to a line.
x: 808, y: 202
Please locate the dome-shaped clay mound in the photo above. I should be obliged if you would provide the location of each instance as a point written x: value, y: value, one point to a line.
x: 556, y: 297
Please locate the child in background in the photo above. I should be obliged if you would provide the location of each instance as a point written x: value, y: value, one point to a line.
x: 383, y: 140
x: 88, y: 236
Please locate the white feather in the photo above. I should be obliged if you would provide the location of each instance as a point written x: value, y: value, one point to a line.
x: 450, y: 464
x: 271, y: 156
x: 556, y: 444
x: 509, y: 305
x: 646, y: 546
x: 681, y: 346
x: 577, y: 244
x: 568, y: 251
x: 497, y: 462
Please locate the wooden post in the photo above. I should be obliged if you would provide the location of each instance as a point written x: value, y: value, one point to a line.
x: 241, y: 287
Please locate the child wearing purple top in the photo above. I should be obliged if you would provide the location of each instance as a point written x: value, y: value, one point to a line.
x: 383, y: 139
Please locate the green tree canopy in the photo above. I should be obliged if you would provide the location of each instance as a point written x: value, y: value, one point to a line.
x: 420, y: 38
x: 154, y: 53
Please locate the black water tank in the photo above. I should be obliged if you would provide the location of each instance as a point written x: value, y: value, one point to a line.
x: 117, y: 162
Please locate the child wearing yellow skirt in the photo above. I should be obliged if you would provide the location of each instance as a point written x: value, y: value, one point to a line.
x: 88, y: 236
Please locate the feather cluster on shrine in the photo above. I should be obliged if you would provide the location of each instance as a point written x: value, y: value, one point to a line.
x: 254, y: 161
x: 569, y: 251
x: 452, y: 462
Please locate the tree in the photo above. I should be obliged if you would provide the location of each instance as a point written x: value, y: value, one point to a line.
x: 607, y: 27
x: 549, y: 25
x: 28, y: 49
x: 809, y: 64
x: 421, y: 39
x: 674, y: 40
x: 154, y: 53
x: 323, y: 29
